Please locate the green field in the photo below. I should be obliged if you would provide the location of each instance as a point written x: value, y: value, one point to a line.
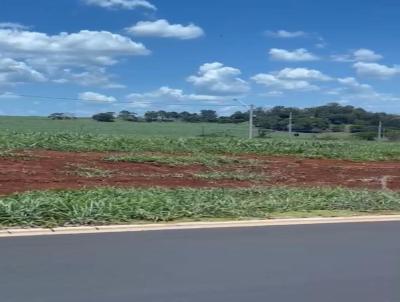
x: 110, y: 205
x: 311, y: 148
x: 143, y: 129
x: 89, y: 126
x: 156, y: 142
x: 179, y: 137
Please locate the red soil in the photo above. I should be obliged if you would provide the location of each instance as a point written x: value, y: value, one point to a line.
x: 40, y: 170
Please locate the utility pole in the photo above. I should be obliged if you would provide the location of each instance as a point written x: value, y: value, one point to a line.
x: 290, y: 126
x: 380, y: 131
x: 251, y: 116
x: 251, y: 121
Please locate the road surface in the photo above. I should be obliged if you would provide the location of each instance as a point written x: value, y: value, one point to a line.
x: 321, y: 263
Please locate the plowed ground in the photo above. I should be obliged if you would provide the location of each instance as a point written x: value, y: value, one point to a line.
x: 42, y: 170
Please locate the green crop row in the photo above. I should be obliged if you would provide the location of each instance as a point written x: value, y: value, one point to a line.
x: 350, y: 150
x: 111, y: 205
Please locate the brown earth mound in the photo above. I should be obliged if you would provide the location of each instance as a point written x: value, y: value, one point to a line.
x: 40, y: 170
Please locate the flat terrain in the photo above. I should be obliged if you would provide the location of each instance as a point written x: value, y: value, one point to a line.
x: 87, y: 178
x: 42, y: 170
x: 330, y: 263
x: 142, y: 129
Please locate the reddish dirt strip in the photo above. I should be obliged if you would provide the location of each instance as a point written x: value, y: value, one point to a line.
x: 42, y: 170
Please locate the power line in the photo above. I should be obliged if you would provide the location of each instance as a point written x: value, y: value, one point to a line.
x: 125, y: 102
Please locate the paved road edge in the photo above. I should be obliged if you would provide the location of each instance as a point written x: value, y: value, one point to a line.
x: 192, y: 225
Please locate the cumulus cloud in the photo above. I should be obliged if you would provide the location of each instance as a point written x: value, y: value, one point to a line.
x: 297, y: 55
x: 94, y: 76
x: 166, y: 93
x: 302, y: 74
x: 274, y: 82
x: 162, y: 28
x: 15, y: 72
x: 121, y: 4
x: 217, y: 79
x: 12, y: 25
x: 298, y: 79
x: 84, y: 51
x: 362, y: 54
x: 285, y: 34
x: 96, y: 97
x: 376, y: 70
x: 352, y: 90
x: 96, y: 46
x: 355, y: 86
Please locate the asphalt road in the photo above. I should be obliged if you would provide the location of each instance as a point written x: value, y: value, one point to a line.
x: 321, y: 263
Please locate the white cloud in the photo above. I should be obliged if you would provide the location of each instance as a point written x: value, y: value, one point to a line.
x: 15, y: 72
x: 96, y: 97
x: 84, y: 52
x: 342, y: 58
x: 285, y: 34
x: 94, y: 76
x: 362, y: 54
x: 166, y: 93
x: 8, y: 95
x: 352, y: 84
x: 217, y: 79
x: 302, y: 74
x: 366, y: 55
x: 96, y: 46
x: 121, y: 4
x: 321, y: 44
x: 298, y: 79
x: 376, y: 70
x: 352, y: 90
x: 162, y: 28
x: 12, y: 25
x: 272, y: 81
x: 298, y: 55
x: 272, y: 93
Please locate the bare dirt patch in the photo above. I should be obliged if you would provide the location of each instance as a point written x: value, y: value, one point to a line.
x: 40, y: 170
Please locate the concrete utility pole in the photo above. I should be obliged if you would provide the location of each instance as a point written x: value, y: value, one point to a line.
x: 251, y: 116
x: 290, y: 126
x: 380, y: 131
x: 251, y: 121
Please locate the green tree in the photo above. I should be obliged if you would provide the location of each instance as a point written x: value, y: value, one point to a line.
x: 208, y: 116
x: 127, y: 116
x: 104, y: 117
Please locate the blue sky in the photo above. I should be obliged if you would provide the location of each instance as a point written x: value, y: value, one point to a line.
x: 108, y: 55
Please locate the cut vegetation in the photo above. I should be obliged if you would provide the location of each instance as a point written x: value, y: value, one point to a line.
x: 44, y: 170
x: 182, y: 160
x: 110, y: 205
x: 232, y: 175
x: 88, y: 172
x: 76, y: 178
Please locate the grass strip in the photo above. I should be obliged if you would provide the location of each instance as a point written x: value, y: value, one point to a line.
x: 88, y: 172
x: 114, y: 206
x: 209, y: 160
x: 232, y: 175
x: 6, y: 153
x: 68, y: 141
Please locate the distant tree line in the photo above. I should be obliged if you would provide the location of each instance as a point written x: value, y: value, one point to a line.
x: 62, y: 116
x: 332, y: 117
x: 206, y: 116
